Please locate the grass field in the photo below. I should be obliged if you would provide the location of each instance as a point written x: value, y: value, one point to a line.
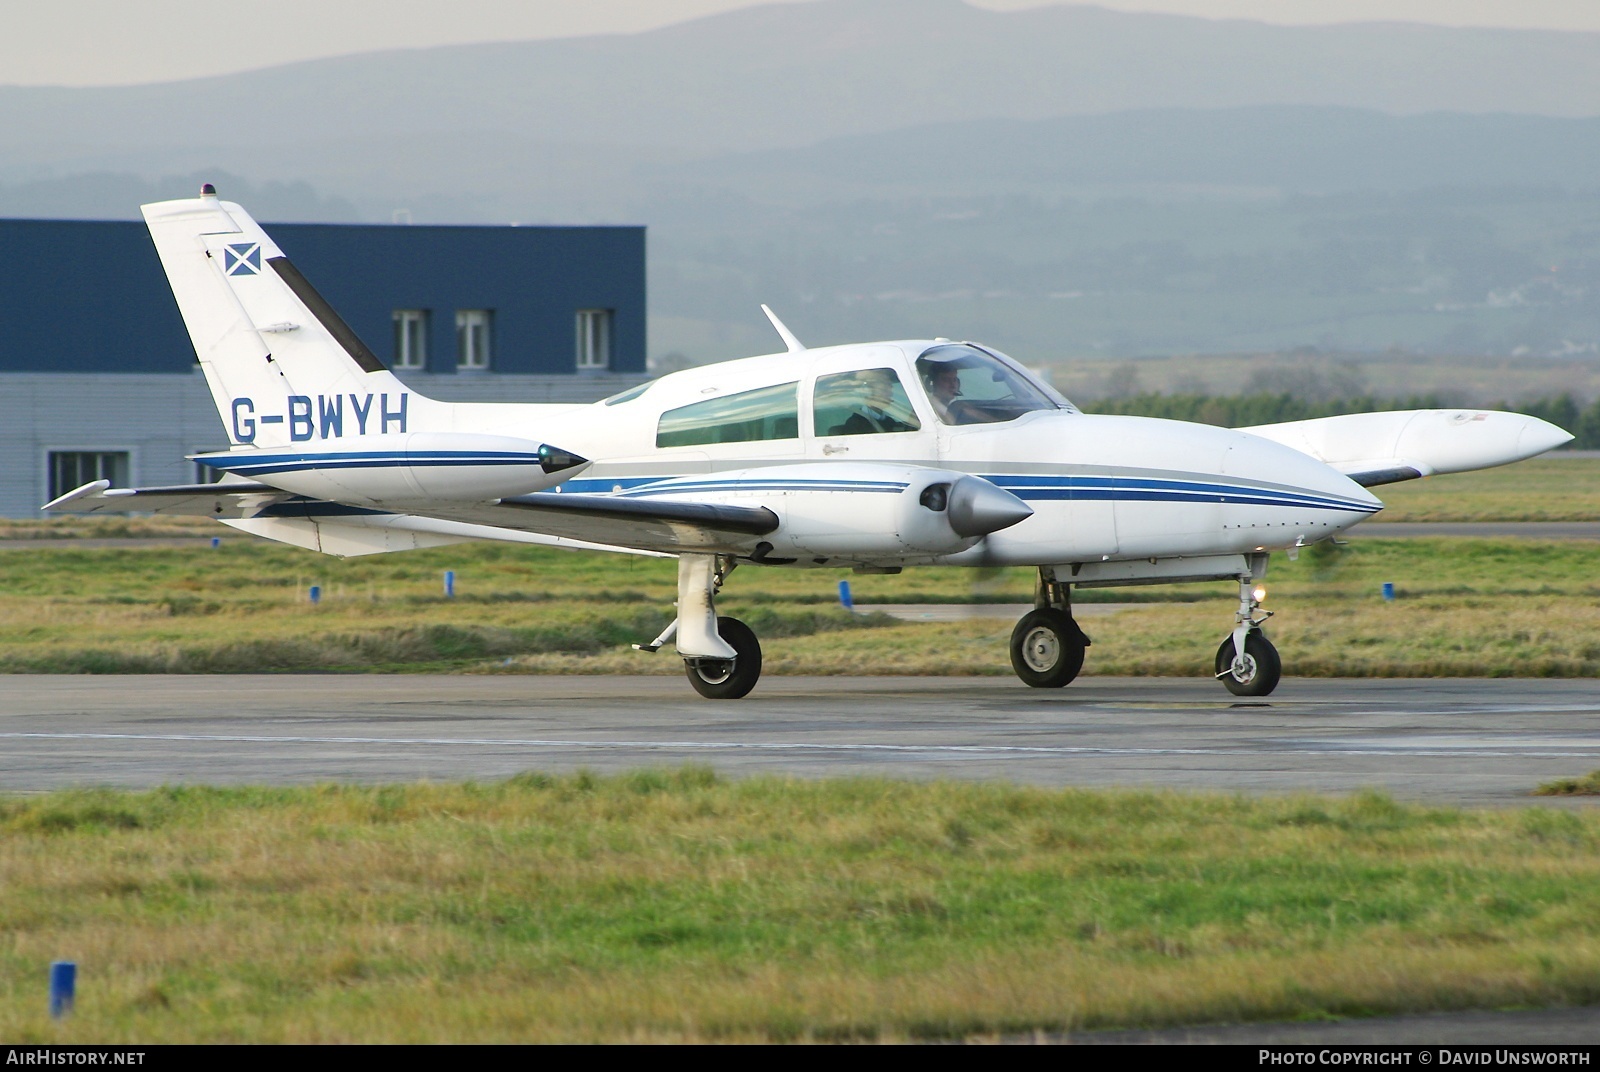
x: 1465, y: 607
x: 1550, y: 488
x: 675, y: 906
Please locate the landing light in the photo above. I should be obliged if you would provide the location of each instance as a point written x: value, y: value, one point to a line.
x: 1259, y: 593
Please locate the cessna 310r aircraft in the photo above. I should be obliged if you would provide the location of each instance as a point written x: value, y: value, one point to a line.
x: 875, y: 456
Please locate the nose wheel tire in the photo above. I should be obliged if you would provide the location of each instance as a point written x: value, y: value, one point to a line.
x: 1047, y: 648
x: 728, y: 679
x: 1260, y: 670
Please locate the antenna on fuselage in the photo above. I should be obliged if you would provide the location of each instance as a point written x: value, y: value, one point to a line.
x: 795, y: 345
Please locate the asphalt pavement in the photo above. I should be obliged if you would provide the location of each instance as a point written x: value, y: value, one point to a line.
x: 1457, y: 741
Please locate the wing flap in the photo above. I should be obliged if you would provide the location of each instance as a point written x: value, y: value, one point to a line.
x: 1369, y: 476
x: 664, y: 525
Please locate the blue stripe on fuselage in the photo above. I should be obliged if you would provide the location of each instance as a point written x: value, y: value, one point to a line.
x: 1027, y: 488
x: 1032, y: 488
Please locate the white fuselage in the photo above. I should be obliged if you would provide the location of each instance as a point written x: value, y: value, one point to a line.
x: 1102, y: 488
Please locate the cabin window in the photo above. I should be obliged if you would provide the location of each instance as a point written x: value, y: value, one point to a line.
x: 594, y: 338
x: 748, y: 417
x: 72, y: 469
x: 472, y: 338
x: 410, y: 338
x: 861, y: 403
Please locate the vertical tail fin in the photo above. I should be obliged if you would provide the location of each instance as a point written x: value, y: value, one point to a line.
x: 268, y: 342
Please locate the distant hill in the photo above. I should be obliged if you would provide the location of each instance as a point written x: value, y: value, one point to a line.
x: 1274, y: 148
x: 1062, y: 181
x: 1218, y: 152
x: 408, y: 123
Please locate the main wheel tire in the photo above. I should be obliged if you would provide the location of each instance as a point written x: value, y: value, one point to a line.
x: 1263, y: 667
x: 1047, y: 648
x: 728, y: 679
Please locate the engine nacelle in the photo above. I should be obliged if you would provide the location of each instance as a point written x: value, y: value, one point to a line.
x: 420, y: 466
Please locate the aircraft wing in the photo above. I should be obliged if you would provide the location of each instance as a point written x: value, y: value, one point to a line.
x: 858, y: 509
x: 665, y: 525
x: 223, y: 500
x: 1383, y: 448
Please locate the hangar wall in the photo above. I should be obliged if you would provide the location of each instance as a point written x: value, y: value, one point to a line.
x: 157, y: 420
x: 96, y: 367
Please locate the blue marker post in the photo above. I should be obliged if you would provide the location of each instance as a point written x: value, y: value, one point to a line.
x: 216, y: 541
x: 315, y: 594
x: 63, y: 987
x: 449, y: 584
x: 1388, y: 591
x: 844, y: 596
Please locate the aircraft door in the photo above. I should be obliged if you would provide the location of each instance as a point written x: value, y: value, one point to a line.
x: 860, y: 409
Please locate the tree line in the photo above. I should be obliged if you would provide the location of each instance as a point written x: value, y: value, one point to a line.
x: 1238, y: 411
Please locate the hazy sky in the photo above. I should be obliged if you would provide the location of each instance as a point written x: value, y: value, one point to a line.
x: 112, y: 42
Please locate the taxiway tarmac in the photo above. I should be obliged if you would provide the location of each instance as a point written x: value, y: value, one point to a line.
x: 1456, y: 741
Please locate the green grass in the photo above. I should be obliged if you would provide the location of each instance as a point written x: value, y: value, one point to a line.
x: 1586, y: 786
x: 1549, y: 488
x: 1466, y: 607
x: 672, y: 905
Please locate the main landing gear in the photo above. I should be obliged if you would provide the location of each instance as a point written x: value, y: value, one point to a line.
x: 1247, y: 664
x: 1047, y: 647
x: 721, y: 655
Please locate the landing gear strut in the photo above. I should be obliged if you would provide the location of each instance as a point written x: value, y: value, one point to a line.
x: 1047, y: 647
x: 1247, y: 664
x: 721, y: 656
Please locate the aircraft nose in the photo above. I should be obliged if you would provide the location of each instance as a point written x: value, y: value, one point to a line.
x: 978, y: 508
x: 555, y: 460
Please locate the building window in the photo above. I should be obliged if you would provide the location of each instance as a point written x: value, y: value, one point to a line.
x: 72, y: 469
x: 410, y: 338
x: 594, y: 338
x: 472, y: 338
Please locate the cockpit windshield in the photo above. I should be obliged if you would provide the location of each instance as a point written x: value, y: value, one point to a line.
x: 970, y: 385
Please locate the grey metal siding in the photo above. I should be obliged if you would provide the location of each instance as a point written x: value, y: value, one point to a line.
x: 160, y: 419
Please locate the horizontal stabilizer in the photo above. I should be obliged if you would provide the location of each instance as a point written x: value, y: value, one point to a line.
x: 231, y: 500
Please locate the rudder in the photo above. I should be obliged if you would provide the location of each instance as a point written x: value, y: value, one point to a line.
x: 266, y: 340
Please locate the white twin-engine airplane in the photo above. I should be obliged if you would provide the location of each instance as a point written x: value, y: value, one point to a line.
x: 874, y: 456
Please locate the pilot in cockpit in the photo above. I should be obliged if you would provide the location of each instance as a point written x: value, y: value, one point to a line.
x: 944, y: 390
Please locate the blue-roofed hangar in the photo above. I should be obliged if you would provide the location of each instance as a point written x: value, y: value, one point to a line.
x: 98, y: 378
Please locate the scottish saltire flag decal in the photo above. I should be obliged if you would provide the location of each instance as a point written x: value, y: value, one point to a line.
x: 242, y: 258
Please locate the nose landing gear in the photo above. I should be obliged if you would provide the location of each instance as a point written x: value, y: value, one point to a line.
x: 1247, y: 664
